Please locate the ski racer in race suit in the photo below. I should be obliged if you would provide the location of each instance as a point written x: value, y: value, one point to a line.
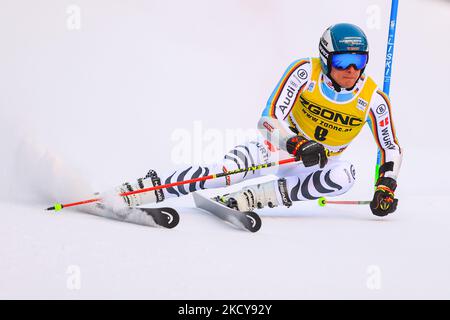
x: 316, y: 110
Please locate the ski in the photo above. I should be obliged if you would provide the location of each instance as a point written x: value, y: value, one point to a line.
x: 243, y: 220
x: 163, y: 217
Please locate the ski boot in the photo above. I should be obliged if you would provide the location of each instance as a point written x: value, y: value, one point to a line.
x: 271, y: 194
x: 137, y: 199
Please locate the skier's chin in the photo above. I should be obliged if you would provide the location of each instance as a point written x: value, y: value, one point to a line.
x: 348, y: 83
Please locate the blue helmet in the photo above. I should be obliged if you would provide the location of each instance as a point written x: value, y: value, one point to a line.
x: 341, y: 38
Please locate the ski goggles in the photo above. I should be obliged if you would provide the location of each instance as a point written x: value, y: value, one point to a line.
x: 342, y: 61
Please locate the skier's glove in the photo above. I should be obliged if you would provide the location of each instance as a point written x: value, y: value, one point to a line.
x: 309, y: 151
x: 384, y: 201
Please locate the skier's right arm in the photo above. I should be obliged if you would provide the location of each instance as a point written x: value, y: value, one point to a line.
x: 273, y: 124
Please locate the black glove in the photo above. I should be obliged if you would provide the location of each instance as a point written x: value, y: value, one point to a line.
x: 309, y: 151
x: 384, y: 201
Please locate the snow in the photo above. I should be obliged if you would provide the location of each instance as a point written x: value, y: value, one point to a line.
x: 85, y: 110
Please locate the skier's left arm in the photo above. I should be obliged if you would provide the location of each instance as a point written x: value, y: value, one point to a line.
x: 273, y: 124
x: 381, y: 123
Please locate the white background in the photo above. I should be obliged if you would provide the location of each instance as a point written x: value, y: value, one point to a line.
x: 87, y: 109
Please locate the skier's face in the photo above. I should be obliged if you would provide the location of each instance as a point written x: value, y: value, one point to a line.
x: 345, y: 78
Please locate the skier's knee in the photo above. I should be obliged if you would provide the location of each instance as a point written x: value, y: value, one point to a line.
x: 341, y: 177
x: 240, y: 157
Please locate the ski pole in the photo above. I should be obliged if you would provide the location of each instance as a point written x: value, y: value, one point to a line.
x: 388, y: 68
x: 323, y: 201
x: 59, y: 206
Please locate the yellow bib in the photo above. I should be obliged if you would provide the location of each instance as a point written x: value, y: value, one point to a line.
x: 334, y: 124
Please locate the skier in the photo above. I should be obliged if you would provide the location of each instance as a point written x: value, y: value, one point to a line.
x: 317, y: 108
